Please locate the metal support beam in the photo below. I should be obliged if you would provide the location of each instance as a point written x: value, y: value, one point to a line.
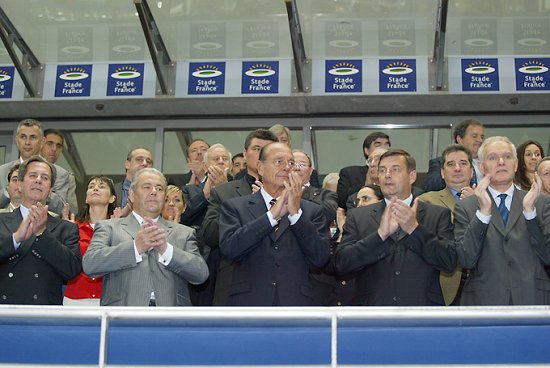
x: 29, y: 68
x: 298, y: 50
x: 73, y: 158
x: 184, y: 138
x: 439, y: 43
x: 159, y: 53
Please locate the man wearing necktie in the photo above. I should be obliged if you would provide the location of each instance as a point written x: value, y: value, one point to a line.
x: 145, y: 260
x: 273, y: 246
x: 502, y: 234
x: 397, y: 247
x: 457, y: 171
x: 37, y: 251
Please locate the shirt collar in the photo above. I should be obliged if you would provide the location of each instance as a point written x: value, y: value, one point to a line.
x: 267, y: 197
x: 407, y: 200
x: 140, y: 219
x: 126, y: 184
x: 496, y: 193
x: 24, y: 211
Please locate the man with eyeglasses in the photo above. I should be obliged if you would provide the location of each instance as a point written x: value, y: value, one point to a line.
x: 397, y: 247
x: 502, y: 234
x: 457, y: 172
x: 138, y: 158
x: 273, y: 236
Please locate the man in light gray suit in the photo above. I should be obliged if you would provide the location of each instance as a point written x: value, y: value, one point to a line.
x: 502, y: 234
x: 148, y: 264
x: 29, y: 140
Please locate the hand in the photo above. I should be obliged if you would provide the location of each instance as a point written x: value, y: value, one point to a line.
x: 340, y: 218
x: 117, y: 212
x: 66, y: 215
x: 388, y: 225
x: 405, y: 215
x: 150, y: 235
x: 173, y: 214
x: 483, y: 197
x: 217, y: 175
x: 24, y: 231
x: 280, y: 208
x: 198, y: 171
x: 532, y: 195
x: 467, y: 191
x: 256, y: 186
x: 38, y: 215
x: 294, y: 189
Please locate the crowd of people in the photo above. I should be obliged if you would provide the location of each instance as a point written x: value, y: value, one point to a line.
x: 259, y: 228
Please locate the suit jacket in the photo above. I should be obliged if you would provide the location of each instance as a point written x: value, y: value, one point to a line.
x: 403, y: 269
x: 34, y: 274
x: 450, y: 281
x: 221, y: 268
x: 196, y: 205
x: 325, y: 198
x: 179, y: 180
x: 111, y: 254
x: 434, y: 181
x: 62, y: 190
x: 271, y: 266
x: 351, y: 177
x: 506, y: 262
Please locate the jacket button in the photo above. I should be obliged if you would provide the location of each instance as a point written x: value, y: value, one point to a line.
x: 10, y: 275
x: 344, y: 283
x: 397, y: 273
x: 93, y: 295
x: 35, y: 297
x: 93, y: 278
x: 395, y: 298
x: 273, y: 284
x: 4, y: 297
x: 36, y: 275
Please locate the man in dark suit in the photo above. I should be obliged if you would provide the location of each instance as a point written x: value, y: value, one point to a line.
x: 144, y: 259
x: 397, y: 247
x: 195, y: 162
x: 137, y: 159
x: 37, y: 251
x: 469, y: 133
x: 273, y: 236
x: 354, y: 177
x: 221, y: 269
x: 502, y: 234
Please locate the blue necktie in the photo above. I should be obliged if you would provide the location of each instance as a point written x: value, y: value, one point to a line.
x: 474, y: 179
x: 502, y: 208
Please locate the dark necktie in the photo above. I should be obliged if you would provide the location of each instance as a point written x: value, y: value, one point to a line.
x: 474, y: 179
x: 457, y: 196
x: 271, y: 204
x: 504, y: 212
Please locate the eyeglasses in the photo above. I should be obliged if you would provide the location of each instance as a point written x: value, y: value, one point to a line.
x: 493, y: 157
x: 281, y: 162
x: 301, y: 165
x: 394, y: 170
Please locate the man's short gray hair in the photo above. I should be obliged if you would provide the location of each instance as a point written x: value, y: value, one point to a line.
x: 497, y: 138
x: 213, y: 147
x: 147, y: 170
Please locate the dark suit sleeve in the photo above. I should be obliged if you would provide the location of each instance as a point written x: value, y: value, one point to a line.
x: 539, y: 230
x: 210, y: 231
x: 329, y: 202
x: 434, y: 181
x: 314, y: 179
x: 469, y: 236
x: 436, y: 248
x: 354, y: 253
x: 237, y: 239
x: 195, y: 204
x: 342, y: 189
x: 312, y: 234
x: 61, y: 249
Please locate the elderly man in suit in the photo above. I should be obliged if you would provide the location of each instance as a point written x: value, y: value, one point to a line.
x: 37, y: 251
x: 273, y: 236
x: 195, y: 162
x: 353, y: 177
x: 221, y: 268
x: 502, y: 234
x: 144, y: 259
x: 29, y: 140
x: 457, y: 172
x: 397, y: 247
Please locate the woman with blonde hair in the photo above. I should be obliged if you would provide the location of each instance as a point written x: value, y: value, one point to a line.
x: 174, y: 204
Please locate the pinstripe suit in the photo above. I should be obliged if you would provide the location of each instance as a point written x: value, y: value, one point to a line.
x: 128, y: 283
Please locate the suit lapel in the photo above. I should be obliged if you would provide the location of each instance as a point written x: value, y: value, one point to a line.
x: 516, y: 209
x: 130, y: 225
x: 447, y: 198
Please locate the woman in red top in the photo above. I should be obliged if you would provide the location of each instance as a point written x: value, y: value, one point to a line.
x: 100, y: 205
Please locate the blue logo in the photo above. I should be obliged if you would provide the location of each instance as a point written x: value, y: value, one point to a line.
x: 397, y: 75
x: 206, y: 78
x: 480, y: 75
x: 532, y: 74
x: 260, y: 77
x: 125, y: 80
x: 73, y: 80
x: 6, y: 81
x: 343, y: 76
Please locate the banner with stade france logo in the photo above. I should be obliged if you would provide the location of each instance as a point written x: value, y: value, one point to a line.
x: 260, y: 77
x: 7, y: 74
x: 480, y: 75
x: 397, y: 75
x: 343, y: 76
x: 125, y: 79
x: 532, y: 74
x: 206, y: 78
x: 73, y: 80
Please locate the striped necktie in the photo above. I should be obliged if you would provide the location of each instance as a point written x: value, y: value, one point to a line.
x: 502, y: 209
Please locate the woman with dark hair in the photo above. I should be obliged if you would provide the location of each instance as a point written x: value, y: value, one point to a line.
x: 100, y: 205
x: 529, y: 155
